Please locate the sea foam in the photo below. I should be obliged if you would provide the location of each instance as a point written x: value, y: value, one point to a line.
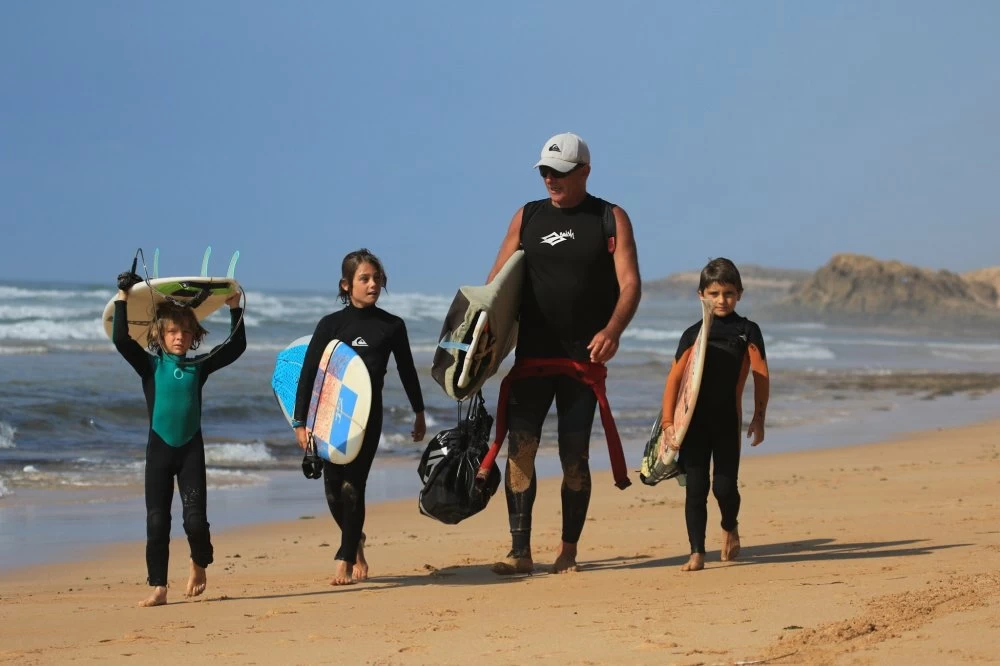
x: 7, y: 432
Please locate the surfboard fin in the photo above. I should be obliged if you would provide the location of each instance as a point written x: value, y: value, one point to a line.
x: 156, y: 263
x: 204, y: 261
x: 231, y: 273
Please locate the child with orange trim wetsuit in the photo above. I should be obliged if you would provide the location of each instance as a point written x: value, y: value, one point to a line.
x: 735, y: 349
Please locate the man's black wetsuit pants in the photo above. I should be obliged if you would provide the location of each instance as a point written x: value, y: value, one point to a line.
x: 528, y: 404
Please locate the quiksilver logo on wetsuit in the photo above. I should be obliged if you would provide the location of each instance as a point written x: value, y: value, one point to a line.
x: 557, y: 237
x: 359, y: 342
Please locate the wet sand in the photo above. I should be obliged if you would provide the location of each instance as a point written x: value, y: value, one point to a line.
x: 884, y: 553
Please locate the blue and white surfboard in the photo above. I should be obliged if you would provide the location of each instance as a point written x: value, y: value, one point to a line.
x: 341, y: 397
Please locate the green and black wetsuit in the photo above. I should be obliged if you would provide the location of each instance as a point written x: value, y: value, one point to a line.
x: 172, y: 386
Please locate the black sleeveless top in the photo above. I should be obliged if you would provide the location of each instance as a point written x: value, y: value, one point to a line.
x: 570, y: 287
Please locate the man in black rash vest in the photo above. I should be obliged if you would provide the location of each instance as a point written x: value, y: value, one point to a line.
x: 581, y: 290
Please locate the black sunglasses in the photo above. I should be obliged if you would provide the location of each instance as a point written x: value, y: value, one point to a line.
x: 546, y: 171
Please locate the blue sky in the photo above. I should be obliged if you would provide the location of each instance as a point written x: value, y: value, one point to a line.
x: 777, y: 133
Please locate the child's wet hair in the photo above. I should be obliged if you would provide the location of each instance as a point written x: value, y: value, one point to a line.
x: 349, y: 266
x: 720, y: 270
x: 180, y: 315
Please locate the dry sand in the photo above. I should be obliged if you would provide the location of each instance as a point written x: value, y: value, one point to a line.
x: 880, y: 554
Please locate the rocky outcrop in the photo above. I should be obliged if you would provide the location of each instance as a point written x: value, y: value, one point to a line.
x: 760, y: 282
x: 853, y: 288
x: 985, y: 278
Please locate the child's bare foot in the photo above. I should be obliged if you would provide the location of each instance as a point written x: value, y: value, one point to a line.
x: 157, y: 598
x: 341, y: 575
x: 512, y: 564
x: 731, y: 545
x: 360, y: 571
x: 695, y: 563
x: 196, y: 581
x: 565, y: 559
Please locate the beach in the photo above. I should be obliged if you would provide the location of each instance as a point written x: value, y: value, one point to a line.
x: 881, y: 553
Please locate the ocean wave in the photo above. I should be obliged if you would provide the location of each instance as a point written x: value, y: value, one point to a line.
x: 113, y: 465
x: 267, y: 346
x: 402, y: 443
x: 231, y: 478
x: 32, y: 476
x: 416, y: 306
x: 236, y: 454
x: 803, y: 325
x: 799, y: 351
x: 47, y: 329
x: 106, y: 346
x: 652, y: 334
x: 666, y: 351
x: 291, y: 309
x: 18, y: 350
x: 18, y: 311
x: 7, y: 432
x: 10, y: 292
x: 423, y: 349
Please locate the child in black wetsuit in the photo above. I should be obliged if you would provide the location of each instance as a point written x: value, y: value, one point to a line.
x: 172, y: 384
x: 735, y: 349
x: 374, y: 334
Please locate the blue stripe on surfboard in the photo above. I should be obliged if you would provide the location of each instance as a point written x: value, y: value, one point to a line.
x: 347, y: 400
x: 342, y: 355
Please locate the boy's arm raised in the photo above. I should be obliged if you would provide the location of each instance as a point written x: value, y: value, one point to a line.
x: 131, y: 350
x: 229, y: 351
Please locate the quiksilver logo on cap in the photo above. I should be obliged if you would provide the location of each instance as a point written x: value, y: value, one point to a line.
x: 554, y: 148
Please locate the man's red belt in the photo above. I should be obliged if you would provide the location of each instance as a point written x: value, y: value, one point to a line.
x: 591, y: 374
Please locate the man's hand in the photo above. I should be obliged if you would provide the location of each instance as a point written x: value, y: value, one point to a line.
x: 603, y: 346
x: 234, y: 300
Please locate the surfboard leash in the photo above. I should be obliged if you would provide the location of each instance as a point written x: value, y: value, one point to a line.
x: 193, y: 303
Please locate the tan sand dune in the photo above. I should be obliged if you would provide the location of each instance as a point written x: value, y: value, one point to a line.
x: 880, y: 554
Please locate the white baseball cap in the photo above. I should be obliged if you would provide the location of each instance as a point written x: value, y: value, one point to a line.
x: 564, y: 152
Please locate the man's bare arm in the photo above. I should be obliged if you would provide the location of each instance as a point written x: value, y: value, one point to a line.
x: 509, y: 246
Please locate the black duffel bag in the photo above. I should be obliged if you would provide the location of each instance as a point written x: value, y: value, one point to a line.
x: 449, y: 465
